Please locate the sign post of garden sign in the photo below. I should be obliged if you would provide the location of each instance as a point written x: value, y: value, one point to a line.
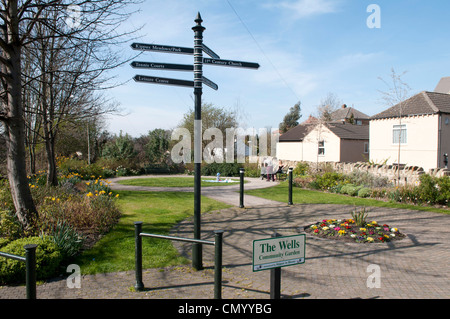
x: 276, y: 252
x: 199, y: 79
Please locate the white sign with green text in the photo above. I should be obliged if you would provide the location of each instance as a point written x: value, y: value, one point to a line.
x: 278, y: 252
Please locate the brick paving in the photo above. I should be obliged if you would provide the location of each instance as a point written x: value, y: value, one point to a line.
x: 415, y: 267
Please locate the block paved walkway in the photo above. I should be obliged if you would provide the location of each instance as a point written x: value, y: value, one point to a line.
x: 415, y: 267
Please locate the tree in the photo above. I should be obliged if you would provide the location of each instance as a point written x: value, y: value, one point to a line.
x: 397, y: 95
x: 157, y: 146
x: 19, y: 26
x: 327, y: 106
x: 291, y: 118
x: 212, y: 117
x: 120, y: 148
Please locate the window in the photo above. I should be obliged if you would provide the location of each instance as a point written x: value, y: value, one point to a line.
x: 321, y: 147
x: 399, y: 134
x: 366, y: 148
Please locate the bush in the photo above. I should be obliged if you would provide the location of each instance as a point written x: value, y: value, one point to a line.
x: 364, y: 192
x: 351, y: 189
x: 48, y: 259
x: 225, y: 169
x: 327, y: 180
x: 301, y: 169
x: 428, y: 189
x: 4, y: 242
x: 444, y: 190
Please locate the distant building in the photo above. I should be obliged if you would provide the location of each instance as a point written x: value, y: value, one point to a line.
x: 443, y: 86
x: 344, y: 139
x: 422, y: 131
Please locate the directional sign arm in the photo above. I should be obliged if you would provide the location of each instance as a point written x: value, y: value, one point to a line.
x: 162, y: 66
x: 162, y: 48
x: 163, y: 81
x: 231, y: 63
x: 210, y: 52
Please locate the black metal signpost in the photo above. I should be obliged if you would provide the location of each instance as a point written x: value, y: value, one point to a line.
x: 199, y: 79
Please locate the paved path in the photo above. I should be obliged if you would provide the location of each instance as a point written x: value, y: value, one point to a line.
x: 416, y: 267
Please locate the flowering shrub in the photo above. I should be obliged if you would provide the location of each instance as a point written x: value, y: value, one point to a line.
x: 347, y: 229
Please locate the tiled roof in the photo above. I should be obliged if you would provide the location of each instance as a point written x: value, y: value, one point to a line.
x: 420, y: 104
x: 297, y: 133
x: 346, y: 113
x: 349, y: 131
x: 344, y: 131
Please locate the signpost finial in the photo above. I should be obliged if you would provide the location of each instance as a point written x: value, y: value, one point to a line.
x: 198, y: 19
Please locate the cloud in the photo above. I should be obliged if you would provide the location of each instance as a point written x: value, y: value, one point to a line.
x: 306, y: 8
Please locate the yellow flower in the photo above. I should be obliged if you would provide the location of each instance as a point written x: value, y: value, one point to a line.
x: 362, y: 229
x: 117, y: 196
x: 369, y: 239
x: 341, y: 232
x: 88, y: 183
x: 89, y: 194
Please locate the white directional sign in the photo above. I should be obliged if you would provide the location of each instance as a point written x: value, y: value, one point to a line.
x: 278, y: 252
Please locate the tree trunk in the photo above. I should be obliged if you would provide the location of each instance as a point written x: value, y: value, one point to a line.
x: 15, y: 128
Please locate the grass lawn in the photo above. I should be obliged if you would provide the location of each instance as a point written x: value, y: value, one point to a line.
x: 304, y: 196
x: 159, y: 212
x: 187, y: 181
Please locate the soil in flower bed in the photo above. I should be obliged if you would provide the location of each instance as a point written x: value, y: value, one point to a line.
x: 347, y: 230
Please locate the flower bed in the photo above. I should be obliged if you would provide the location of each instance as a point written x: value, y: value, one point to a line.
x: 348, y: 230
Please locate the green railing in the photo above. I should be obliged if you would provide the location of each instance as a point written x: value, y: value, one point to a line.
x: 217, y: 243
x: 30, y: 264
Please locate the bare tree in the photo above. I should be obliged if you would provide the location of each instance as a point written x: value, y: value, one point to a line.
x: 396, y: 96
x: 96, y: 23
x: 327, y: 106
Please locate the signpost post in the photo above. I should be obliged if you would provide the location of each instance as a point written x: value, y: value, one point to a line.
x: 276, y: 252
x: 199, y: 79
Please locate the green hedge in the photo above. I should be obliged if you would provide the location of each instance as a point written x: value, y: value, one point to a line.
x: 48, y: 259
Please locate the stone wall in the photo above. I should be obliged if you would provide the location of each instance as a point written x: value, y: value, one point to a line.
x: 408, y: 174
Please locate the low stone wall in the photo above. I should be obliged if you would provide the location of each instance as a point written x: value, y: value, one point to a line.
x: 408, y: 174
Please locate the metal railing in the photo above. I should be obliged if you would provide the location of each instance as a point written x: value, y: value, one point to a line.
x: 217, y: 243
x: 30, y: 264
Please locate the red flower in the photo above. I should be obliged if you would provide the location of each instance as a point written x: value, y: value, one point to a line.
x: 316, y: 231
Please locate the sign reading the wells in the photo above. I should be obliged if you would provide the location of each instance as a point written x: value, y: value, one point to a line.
x: 278, y: 252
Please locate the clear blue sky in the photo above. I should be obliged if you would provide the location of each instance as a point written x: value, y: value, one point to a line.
x: 306, y: 49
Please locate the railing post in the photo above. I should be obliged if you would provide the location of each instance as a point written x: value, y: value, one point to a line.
x: 30, y: 264
x: 139, y: 286
x: 241, y: 196
x: 218, y: 238
x: 290, y: 187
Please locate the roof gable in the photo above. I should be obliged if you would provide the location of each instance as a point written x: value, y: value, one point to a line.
x: 420, y: 104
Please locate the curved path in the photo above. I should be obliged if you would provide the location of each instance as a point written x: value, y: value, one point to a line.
x: 415, y: 267
x: 228, y: 194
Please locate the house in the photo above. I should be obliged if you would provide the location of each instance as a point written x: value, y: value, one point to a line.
x: 325, y: 142
x: 415, y: 132
x: 349, y: 115
x: 443, y: 86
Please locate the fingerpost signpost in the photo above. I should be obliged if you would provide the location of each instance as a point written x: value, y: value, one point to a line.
x: 199, y: 79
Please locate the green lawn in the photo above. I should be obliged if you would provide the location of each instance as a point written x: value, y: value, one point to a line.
x: 304, y: 196
x: 159, y: 212
x: 173, y: 182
